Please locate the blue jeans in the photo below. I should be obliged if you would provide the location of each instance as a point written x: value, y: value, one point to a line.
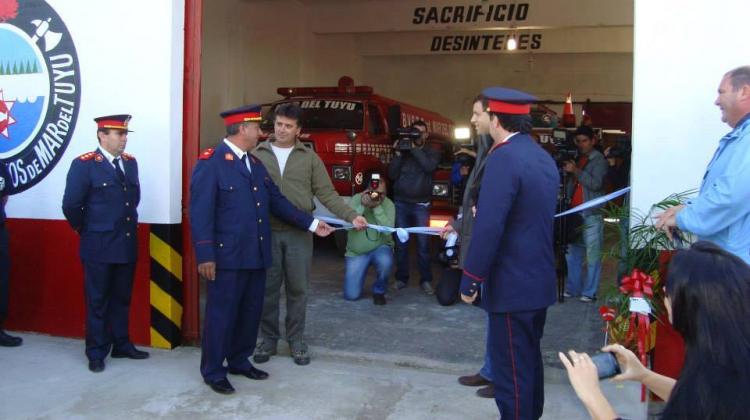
x: 356, y: 270
x: 591, y: 249
x: 408, y: 215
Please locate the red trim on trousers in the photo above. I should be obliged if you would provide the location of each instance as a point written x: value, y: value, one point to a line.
x: 513, y: 364
x: 479, y: 279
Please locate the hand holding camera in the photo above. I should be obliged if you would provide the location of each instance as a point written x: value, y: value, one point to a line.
x: 372, y: 197
x: 631, y: 369
x: 614, y: 362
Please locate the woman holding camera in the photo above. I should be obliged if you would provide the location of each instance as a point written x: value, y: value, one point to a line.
x: 708, y: 303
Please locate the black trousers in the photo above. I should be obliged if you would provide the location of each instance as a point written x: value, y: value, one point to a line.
x: 516, y: 358
x: 108, y: 288
x: 4, y: 274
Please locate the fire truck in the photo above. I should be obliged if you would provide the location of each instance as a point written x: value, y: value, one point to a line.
x: 352, y: 130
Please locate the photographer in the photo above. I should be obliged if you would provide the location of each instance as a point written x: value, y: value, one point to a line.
x: 585, y: 182
x: 370, y: 247
x: 618, y: 177
x: 411, y: 173
x: 463, y: 161
x: 706, y: 301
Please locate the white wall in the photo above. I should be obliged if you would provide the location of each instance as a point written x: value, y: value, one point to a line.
x: 678, y: 64
x: 449, y: 83
x: 251, y: 47
x: 246, y: 52
x: 131, y: 62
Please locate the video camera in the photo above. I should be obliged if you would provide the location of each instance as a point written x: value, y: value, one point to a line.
x: 449, y: 255
x: 565, y: 146
x: 405, y: 138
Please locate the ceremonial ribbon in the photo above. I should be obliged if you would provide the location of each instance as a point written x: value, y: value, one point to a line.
x: 401, y: 233
x: 595, y: 202
x: 638, y: 284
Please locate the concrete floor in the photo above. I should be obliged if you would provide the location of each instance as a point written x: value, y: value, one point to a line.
x: 398, y: 361
x: 47, y: 379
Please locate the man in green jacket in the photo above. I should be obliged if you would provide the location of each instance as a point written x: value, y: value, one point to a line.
x: 300, y: 175
x: 370, y: 247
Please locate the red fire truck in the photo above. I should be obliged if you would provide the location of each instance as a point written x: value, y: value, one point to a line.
x: 351, y: 129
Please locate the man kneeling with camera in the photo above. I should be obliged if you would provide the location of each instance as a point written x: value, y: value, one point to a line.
x: 370, y: 247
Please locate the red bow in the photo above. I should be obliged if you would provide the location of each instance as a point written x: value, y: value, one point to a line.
x: 607, y: 313
x: 639, y: 284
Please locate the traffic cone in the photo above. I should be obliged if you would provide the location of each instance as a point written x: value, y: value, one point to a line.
x: 569, y: 118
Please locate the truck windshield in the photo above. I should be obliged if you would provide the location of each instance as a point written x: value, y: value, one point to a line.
x: 329, y: 114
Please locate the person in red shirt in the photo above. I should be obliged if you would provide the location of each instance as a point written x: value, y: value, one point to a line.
x: 585, y: 182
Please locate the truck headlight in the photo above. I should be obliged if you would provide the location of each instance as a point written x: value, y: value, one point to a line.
x: 440, y: 189
x: 342, y: 173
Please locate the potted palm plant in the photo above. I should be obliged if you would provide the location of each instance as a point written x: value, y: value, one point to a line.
x: 642, y: 254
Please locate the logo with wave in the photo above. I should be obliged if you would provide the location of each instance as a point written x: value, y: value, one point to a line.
x: 40, y: 90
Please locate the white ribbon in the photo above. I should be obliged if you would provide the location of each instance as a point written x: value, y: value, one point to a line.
x: 401, y: 233
x: 595, y: 202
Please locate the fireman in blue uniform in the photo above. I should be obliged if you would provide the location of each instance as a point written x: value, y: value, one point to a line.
x: 511, y: 257
x: 6, y: 189
x: 102, y: 193
x: 231, y: 200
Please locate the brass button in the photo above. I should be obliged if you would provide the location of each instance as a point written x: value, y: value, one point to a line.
x: 104, y: 185
x: 255, y: 188
x: 258, y: 204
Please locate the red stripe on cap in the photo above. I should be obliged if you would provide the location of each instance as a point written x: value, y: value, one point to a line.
x: 508, y: 108
x: 240, y: 118
x: 111, y: 124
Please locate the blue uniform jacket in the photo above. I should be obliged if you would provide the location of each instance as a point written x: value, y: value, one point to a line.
x: 511, y: 251
x: 102, y: 209
x: 230, y: 211
x: 6, y: 189
x: 721, y: 212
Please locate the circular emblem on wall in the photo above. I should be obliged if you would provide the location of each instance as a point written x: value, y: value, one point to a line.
x: 40, y: 90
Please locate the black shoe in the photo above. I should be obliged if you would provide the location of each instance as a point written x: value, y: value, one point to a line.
x: 252, y: 373
x: 222, y: 386
x: 473, y: 380
x: 96, y: 366
x: 486, y: 392
x: 9, y: 340
x: 133, y: 353
x: 378, y: 299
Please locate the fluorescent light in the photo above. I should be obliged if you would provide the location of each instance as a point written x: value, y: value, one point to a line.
x: 462, y: 133
x: 512, y: 44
